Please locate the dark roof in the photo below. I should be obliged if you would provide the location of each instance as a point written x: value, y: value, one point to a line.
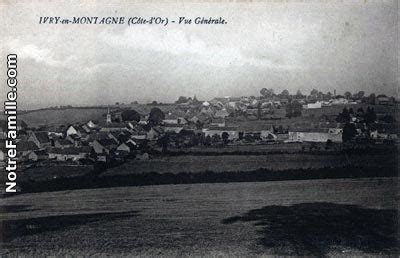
x: 72, y: 150
x: 218, y: 120
x: 42, y: 137
x: 174, y: 125
x: 40, y: 152
x: 130, y: 145
x: 225, y: 128
x: 26, y: 146
x: 107, y: 142
x: 158, y: 129
x: 64, y: 142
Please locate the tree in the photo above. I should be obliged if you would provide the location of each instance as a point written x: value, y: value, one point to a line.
x: 156, y: 116
x: 328, y: 95
x: 328, y: 144
x: 267, y: 93
x: 225, y: 137
x: 314, y: 93
x: 285, y: 93
x: 371, y: 99
x: 293, y: 109
x: 370, y: 115
x: 299, y: 95
x: 347, y: 95
x: 130, y: 115
x: 163, y: 142
x: 349, y: 131
x: 343, y: 117
x: 359, y: 95
x: 181, y: 99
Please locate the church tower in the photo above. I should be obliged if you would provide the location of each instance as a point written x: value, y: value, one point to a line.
x: 108, y: 119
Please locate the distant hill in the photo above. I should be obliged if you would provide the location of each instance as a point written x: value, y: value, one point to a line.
x: 71, y: 115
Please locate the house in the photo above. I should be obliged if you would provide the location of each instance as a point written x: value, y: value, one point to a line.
x: 221, y: 113
x: 63, y: 143
x: 383, y: 100
x: 219, y: 122
x: 154, y: 133
x: 2, y: 155
x: 71, y: 130
x: 143, y: 121
x: 194, y: 120
x: 127, y: 147
x: 41, y: 139
x: 74, y: 138
x: 315, y: 105
x: 104, y: 146
x: 38, y: 155
x: 314, y: 135
x: 231, y: 131
x: 91, y: 124
x: 174, y: 119
x: 25, y: 147
x: 56, y: 132
x: 268, y: 135
x: 110, y: 127
x: 73, y: 153
x: 21, y: 125
x: 98, y: 136
x: 176, y: 128
x: 383, y: 131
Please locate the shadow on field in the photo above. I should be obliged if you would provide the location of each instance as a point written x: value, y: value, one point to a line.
x: 317, y: 228
x: 11, y: 229
x: 15, y: 208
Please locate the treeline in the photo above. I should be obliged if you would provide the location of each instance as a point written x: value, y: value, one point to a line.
x: 154, y: 178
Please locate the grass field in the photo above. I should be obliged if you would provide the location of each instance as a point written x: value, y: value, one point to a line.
x: 231, y: 163
x: 317, y: 217
x: 74, y: 115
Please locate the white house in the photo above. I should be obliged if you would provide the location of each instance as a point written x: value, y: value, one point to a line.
x: 315, y: 105
x: 72, y: 131
x: 315, y: 135
x: 231, y: 131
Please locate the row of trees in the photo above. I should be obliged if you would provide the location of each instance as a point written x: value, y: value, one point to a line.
x: 314, y: 94
x: 156, y: 116
x: 368, y: 117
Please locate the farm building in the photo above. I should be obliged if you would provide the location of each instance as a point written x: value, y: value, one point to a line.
x: 41, y: 139
x: 231, y: 131
x: 38, y: 155
x: 173, y: 128
x: 69, y: 153
x: 317, y: 104
x: 315, y: 135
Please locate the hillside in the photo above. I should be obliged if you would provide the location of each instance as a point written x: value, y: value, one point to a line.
x: 78, y: 114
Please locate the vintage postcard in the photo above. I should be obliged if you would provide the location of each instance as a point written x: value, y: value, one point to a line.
x: 199, y: 128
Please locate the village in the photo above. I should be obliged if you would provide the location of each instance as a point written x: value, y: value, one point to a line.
x: 213, y: 125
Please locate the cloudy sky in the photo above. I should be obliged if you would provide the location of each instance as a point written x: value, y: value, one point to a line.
x: 290, y: 45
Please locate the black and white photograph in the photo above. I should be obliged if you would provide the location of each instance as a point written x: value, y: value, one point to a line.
x: 188, y: 128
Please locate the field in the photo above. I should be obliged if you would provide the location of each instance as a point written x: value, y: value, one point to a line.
x: 316, y: 217
x: 232, y: 163
x: 73, y: 115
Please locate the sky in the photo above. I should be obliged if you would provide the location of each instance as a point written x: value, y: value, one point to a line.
x: 293, y: 45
